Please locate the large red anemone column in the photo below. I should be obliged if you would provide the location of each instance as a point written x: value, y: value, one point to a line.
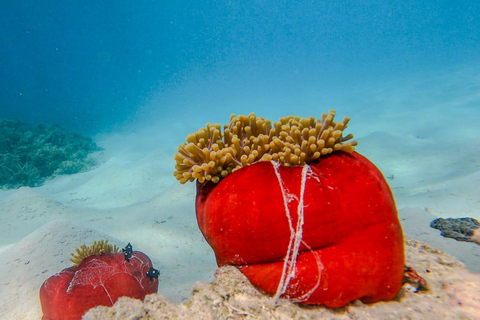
x: 323, y: 233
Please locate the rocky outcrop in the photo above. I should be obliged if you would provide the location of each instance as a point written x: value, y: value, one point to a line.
x: 452, y: 293
x: 460, y: 229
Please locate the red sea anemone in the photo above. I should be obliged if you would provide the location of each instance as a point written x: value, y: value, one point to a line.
x: 293, y: 206
x: 100, y: 276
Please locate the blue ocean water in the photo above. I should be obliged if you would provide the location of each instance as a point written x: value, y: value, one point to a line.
x: 407, y: 72
x: 95, y: 65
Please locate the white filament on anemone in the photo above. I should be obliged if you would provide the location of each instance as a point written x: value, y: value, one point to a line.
x: 100, y: 271
x: 307, y: 294
x: 296, y: 233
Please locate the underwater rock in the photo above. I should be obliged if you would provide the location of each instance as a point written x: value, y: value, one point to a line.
x: 97, y: 279
x: 460, y: 229
x: 453, y: 293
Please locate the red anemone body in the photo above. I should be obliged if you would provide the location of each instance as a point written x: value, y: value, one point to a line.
x: 325, y: 233
x: 98, y: 280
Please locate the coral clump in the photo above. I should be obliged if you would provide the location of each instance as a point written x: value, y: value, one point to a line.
x: 97, y: 248
x: 210, y: 154
x: 31, y: 154
x: 461, y: 229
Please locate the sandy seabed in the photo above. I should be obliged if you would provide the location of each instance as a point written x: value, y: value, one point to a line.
x: 132, y: 196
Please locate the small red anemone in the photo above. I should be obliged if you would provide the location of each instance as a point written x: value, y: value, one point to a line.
x: 99, y: 280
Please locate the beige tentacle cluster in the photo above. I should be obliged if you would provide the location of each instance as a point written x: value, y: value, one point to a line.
x: 97, y: 248
x: 210, y: 154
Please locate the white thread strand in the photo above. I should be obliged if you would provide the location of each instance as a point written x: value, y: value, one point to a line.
x: 307, y: 294
x: 281, y: 284
x: 289, y: 264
